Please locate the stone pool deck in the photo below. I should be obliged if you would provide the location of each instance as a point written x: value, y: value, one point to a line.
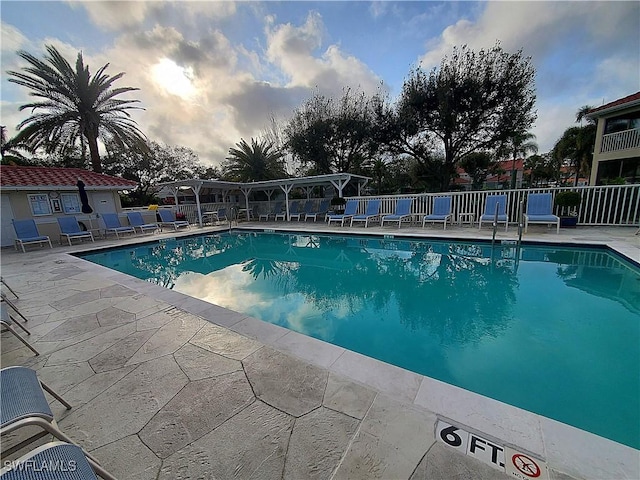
x: 165, y: 386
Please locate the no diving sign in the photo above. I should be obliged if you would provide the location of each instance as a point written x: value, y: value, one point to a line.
x: 519, y: 465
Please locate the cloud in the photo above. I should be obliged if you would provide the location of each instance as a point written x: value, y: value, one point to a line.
x: 292, y: 49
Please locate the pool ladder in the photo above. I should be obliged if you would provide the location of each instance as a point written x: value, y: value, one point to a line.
x: 520, y: 225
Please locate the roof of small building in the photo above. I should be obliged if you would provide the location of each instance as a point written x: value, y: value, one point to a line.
x: 616, y: 104
x: 14, y: 177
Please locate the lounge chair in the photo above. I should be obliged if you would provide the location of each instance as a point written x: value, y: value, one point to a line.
x: 293, y: 210
x: 350, y: 209
x: 490, y: 211
x: 403, y: 210
x: 305, y: 211
x: 168, y: 218
x: 277, y: 208
x: 62, y: 461
x: 540, y: 210
x: 7, y: 322
x: 137, y: 222
x: 70, y: 228
x: 372, y: 213
x: 2, y: 281
x: 112, y: 225
x: 27, y: 233
x: 24, y: 404
x: 322, y: 211
x: 441, y: 212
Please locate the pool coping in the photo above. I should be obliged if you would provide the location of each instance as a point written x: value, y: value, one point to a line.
x: 564, y: 448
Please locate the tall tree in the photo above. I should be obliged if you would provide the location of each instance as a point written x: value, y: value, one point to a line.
x: 575, y: 147
x: 255, y: 162
x: 474, y: 101
x: 73, y: 104
x: 329, y: 136
x: 519, y: 144
x: 478, y: 165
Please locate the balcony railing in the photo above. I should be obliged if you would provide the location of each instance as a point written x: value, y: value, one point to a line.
x: 625, y: 140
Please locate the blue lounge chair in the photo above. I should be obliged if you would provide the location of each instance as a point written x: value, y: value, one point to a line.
x: 55, y: 461
x: 540, y: 210
x: 403, y: 210
x: 24, y: 405
x: 322, y: 211
x: 70, y: 228
x: 350, y: 209
x: 490, y: 211
x: 168, y: 218
x: 441, y: 211
x: 277, y: 208
x: 136, y: 221
x: 305, y: 211
x: 293, y: 210
x: 112, y: 225
x: 372, y: 213
x: 27, y: 233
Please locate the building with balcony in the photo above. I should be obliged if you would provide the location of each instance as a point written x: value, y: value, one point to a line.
x: 616, y: 152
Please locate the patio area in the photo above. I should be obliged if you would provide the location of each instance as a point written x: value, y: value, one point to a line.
x: 166, y: 386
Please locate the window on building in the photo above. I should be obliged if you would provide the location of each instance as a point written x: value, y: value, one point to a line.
x: 629, y: 121
x: 70, y: 203
x: 39, y: 204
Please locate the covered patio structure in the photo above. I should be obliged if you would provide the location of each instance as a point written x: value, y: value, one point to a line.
x: 223, y: 188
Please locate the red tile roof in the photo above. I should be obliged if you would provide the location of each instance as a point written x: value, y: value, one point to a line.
x: 58, y: 178
x: 616, y: 103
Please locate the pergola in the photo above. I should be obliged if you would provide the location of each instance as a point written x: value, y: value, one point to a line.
x: 336, y: 180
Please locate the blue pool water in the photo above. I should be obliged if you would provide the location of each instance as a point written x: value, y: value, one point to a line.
x: 552, y: 330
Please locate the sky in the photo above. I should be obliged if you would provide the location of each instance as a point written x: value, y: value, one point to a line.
x: 212, y: 73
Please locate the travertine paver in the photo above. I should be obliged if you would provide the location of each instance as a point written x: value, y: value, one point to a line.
x: 199, y: 408
x: 199, y: 363
x: 130, y: 459
x: 317, y: 443
x: 91, y: 347
x: 392, y: 439
x: 128, y: 405
x: 285, y: 382
x: 168, y: 339
x: 77, y: 299
x: 347, y: 397
x: 444, y: 463
x: 114, y: 316
x: 117, y: 355
x: 73, y: 328
x: 63, y: 378
x: 251, y: 445
x: 224, y: 342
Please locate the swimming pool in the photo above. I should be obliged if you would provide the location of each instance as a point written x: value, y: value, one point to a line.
x: 552, y: 330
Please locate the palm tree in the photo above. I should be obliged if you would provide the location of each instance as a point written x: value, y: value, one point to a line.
x: 255, y: 162
x: 520, y: 143
x: 73, y: 104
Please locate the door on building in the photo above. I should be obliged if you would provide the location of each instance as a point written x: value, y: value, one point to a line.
x: 103, y: 202
x: 7, y: 233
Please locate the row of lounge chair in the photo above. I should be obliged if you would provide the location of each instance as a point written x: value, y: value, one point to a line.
x: 25, y: 408
x: 70, y: 229
x: 539, y: 210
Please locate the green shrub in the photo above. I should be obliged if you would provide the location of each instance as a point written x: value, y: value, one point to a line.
x: 568, y: 199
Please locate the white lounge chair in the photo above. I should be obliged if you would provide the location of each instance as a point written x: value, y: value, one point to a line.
x: 137, y: 222
x: 112, y: 225
x: 350, y: 209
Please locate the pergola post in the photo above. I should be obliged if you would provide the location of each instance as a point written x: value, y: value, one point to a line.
x: 286, y: 189
x: 196, y: 190
x: 246, y: 191
x: 339, y: 184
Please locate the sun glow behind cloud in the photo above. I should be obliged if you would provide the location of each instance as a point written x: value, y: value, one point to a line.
x: 174, y: 79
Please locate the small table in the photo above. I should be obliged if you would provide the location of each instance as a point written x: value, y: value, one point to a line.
x: 466, y: 217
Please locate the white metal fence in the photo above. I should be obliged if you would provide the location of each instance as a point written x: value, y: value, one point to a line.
x: 601, y: 205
